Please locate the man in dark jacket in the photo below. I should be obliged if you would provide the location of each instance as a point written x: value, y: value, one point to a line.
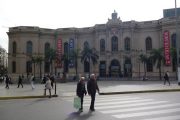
x: 20, y: 82
x: 92, y: 86
x: 81, y: 91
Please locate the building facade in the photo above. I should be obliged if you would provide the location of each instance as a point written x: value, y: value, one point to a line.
x: 117, y: 43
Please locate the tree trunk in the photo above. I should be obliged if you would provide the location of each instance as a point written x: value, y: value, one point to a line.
x: 160, y: 73
x: 89, y: 68
x: 40, y: 71
x: 34, y: 69
x: 144, y: 69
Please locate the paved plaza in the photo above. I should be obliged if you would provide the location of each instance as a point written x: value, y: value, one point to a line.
x: 106, y: 87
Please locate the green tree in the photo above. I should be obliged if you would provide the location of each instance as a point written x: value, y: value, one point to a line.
x: 157, y: 58
x: 39, y: 61
x: 50, y: 56
x: 144, y: 59
x: 65, y: 59
x: 33, y: 60
x: 174, y: 59
x: 74, y: 54
x: 89, y: 55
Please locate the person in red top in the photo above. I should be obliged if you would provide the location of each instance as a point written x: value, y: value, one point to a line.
x: 92, y: 86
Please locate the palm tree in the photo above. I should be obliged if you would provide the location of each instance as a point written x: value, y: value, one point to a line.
x: 144, y: 59
x: 89, y: 55
x: 157, y: 58
x: 39, y: 61
x: 74, y: 55
x: 33, y: 60
x: 50, y: 56
x: 174, y: 59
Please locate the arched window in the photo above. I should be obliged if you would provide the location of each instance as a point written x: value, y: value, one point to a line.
x: 13, y: 67
x: 14, y: 47
x: 173, y: 40
x: 114, y: 43
x: 29, y: 47
x: 148, y: 44
x: 46, y: 47
x: 86, y: 44
x: 127, y: 44
x: 102, y: 45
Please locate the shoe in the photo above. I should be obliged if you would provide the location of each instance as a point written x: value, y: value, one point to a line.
x: 80, y: 110
x: 92, y: 109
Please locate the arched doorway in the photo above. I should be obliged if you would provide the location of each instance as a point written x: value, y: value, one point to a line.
x: 127, y: 68
x: 114, y: 68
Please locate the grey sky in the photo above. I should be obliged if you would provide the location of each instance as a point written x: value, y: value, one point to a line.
x: 75, y: 13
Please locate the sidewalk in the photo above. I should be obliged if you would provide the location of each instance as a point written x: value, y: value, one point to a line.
x: 106, y: 88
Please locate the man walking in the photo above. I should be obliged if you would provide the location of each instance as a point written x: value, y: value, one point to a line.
x: 7, y: 81
x: 166, y: 77
x: 92, y: 86
x: 20, y: 81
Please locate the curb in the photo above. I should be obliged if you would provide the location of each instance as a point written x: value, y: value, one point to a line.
x: 25, y: 97
x: 102, y: 93
x: 141, y: 91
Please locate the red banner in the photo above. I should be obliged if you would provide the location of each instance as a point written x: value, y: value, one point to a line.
x: 59, y: 53
x: 167, y: 47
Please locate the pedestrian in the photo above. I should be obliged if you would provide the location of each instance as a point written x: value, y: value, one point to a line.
x: 52, y: 80
x: 32, y: 79
x: 43, y: 80
x: 92, y: 86
x: 166, y: 77
x: 7, y: 81
x: 20, y: 81
x: 48, y: 86
x: 81, y: 91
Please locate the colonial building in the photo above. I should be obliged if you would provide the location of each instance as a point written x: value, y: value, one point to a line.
x: 118, y: 44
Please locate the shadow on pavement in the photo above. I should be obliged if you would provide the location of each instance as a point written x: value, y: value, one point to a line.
x: 38, y: 100
x: 79, y: 116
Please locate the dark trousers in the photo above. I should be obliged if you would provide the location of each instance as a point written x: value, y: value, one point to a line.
x: 167, y: 81
x: 82, y: 97
x: 7, y: 85
x: 20, y: 84
x: 52, y: 84
x: 92, y: 101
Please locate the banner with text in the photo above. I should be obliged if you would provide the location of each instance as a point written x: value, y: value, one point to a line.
x: 59, y: 53
x: 71, y: 48
x: 167, y: 48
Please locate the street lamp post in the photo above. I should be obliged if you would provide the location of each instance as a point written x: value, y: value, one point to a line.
x: 177, y: 43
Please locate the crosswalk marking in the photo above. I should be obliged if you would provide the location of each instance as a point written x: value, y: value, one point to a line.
x: 148, y: 113
x: 88, y: 100
x: 142, y: 108
x: 131, y: 105
x: 120, y: 102
x: 174, y: 117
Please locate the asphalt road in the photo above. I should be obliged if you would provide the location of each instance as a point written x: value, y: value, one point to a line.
x: 142, y: 106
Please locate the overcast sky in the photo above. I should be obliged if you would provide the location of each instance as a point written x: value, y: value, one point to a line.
x: 75, y: 13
